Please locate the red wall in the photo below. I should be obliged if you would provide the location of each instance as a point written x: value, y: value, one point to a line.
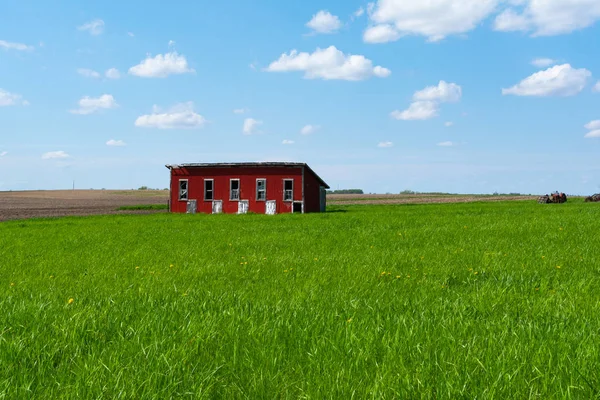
x: 312, y: 189
x: 247, y: 176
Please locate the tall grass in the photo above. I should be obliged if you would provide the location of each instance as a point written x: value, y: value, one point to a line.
x: 432, y: 301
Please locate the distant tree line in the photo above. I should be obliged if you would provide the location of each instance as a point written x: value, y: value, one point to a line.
x: 346, y: 191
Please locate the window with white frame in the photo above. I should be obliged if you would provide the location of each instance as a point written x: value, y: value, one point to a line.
x: 234, y: 189
x: 209, y: 189
x: 288, y: 190
x: 183, y: 189
x: 261, y: 189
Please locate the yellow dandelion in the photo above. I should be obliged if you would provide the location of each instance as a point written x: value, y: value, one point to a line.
x: 246, y: 263
x: 398, y: 276
x: 558, y: 267
x: 349, y: 320
x: 137, y: 267
x: 12, y: 284
x: 71, y: 301
x: 316, y: 259
x: 51, y: 276
x: 285, y: 271
x: 383, y: 273
x: 171, y: 266
x: 475, y: 273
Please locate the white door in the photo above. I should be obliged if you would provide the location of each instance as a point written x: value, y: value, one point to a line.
x: 217, y: 207
x: 243, y: 206
x: 271, y: 207
x: 191, y: 207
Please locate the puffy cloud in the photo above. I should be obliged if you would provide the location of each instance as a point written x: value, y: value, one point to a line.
x: 251, y: 126
x: 2, y: 154
x: 358, y: 13
x: 329, y: 63
x: 55, y: 155
x: 116, y: 143
x: 426, y: 102
x: 593, y: 125
x: 543, y: 62
x: 448, y: 124
x: 596, y: 87
x: 112, y: 73
x: 446, y: 144
x: 181, y: 116
x: 324, y: 22
x: 88, y: 73
x: 11, y: 99
x: 89, y: 105
x: 309, y: 129
x: 385, y: 144
x: 560, y: 80
x: 418, y: 110
x: 443, y: 92
x: 240, y: 111
x: 15, y: 46
x: 549, y: 17
x: 288, y: 142
x: 162, y: 66
x: 94, y: 27
x: 434, y: 19
x: 593, y: 134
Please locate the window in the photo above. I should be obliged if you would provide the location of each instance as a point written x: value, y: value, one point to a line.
x: 183, y: 189
x: 234, y: 189
x: 209, y: 190
x: 261, y: 189
x: 288, y: 190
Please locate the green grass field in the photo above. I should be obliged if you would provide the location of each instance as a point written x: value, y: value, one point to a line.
x: 417, y: 301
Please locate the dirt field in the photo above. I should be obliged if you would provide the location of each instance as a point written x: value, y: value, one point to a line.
x: 59, y: 203
x: 340, y: 199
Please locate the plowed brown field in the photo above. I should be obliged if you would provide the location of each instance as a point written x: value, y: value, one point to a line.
x: 60, y: 203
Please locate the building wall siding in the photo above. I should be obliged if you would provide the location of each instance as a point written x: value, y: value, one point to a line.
x: 247, y: 175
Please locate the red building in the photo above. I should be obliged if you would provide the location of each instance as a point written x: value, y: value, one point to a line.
x: 262, y: 188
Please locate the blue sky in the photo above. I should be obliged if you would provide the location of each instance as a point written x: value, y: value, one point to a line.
x: 463, y: 96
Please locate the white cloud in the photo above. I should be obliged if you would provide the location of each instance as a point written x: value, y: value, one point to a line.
x: 131, y: 34
x: 596, y: 87
x: 116, y: 143
x: 434, y: 19
x: 88, y: 73
x: 250, y: 126
x: 171, y: 43
x: 181, y: 116
x: 324, y: 22
x: 309, y: 129
x: 560, y: 80
x: 593, y: 134
x: 426, y: 102
x: 446, y: 144
x: 593, y: 125
x: 162, y: 66
x: 288, y: 142
x: 240, y: 111
x: 329, y: 63
x: 3, y: 153
x: 358, y: 13
x: 385, y: 144
x: 549, y: 17
x: 55, y: 155
x: 543, y: 62
x: 444, y: 92
x: 11, y: 99
x: 95, y: 27
x: 448, y: 124
x: 89, y: 105
x: 418, y: 110
x: 112, y: 73
x: 15, y: 46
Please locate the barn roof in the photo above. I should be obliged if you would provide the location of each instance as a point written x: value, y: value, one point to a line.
x: 249, y: 164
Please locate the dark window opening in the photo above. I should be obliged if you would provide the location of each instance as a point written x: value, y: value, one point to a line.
x: 234, y: 189
x: 297, y: 207
x: 288, y: 190
x: 183, y: 189
x: 261, y: 189
x: 209, y: 189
